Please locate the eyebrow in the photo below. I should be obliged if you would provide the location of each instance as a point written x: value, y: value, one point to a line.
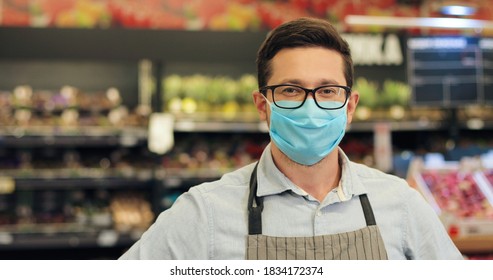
x: 300, y: 83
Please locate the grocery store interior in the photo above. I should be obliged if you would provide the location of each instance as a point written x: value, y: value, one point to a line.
x: 110, y: 109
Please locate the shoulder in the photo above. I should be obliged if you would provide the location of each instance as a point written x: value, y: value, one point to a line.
x: 237, y: 179
x: 222, y: 194
x: 390, y: 188
x: 373, y: 176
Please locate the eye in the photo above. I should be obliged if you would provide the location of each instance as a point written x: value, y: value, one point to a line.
x: 290, y: 90
x: 328, y: 91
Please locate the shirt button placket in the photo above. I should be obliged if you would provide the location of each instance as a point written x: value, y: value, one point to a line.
x: 317, y: 223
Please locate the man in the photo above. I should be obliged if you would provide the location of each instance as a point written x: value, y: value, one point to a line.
x: 304, y: 199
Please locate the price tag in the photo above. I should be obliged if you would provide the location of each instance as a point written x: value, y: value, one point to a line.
x: 6, y: 238
x: 185, y: 125
x: 172, y: 182
x: 107, y: 238
x: 7, y: 185
x: 128, y: 139
x: 161, y: 133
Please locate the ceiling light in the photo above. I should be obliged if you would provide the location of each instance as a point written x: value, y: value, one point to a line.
x: 458, y: 10
x: 420, y: 22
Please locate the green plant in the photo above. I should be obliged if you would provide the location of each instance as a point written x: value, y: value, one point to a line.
x: 367, y: 92
x: 395, y: 93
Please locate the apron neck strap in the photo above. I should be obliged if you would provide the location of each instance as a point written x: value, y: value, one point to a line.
x: 365, y: 204
x: 255, y: 206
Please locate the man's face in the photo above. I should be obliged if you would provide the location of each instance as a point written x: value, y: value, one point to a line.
x: 309, y: 67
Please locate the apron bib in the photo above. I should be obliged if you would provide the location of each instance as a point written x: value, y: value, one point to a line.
x: 362, y: 244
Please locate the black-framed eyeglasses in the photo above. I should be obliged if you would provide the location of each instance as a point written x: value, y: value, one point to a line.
x: 329, y: 97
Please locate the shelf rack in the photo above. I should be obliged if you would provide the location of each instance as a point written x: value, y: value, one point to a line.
x: 480, y: 244
x: 128, y: 44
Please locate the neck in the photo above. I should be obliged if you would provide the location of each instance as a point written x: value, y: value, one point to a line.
x: 317, y: 180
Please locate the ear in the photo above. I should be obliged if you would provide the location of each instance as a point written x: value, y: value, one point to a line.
x: 351, y: 106
x: 260, y: 104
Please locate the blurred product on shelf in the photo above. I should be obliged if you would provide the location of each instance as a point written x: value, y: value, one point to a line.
x: 69, y: 107
x: 131, y: 211
x: 46, y: 163
x: 390, y: 93
x: 34, y: 210
x: 480, y: 257
x: 202, y: 96
x: 459, y: 191
x: 213, y: 154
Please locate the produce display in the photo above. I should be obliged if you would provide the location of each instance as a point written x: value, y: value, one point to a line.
x: 213, y: 15
x: 226, y: 98
x: 391, y: 100
x: 213, y: 154
x: 130, y: 211
x: 76, y: 209
x: 203, y: 97
x: 458, y: 193
x: 489, y: 176
x: 202, y: 157
x: 73, y: 162
x: 69, y: 107
x: 218, y: 97
x: 40, y: 116
x: 83, y: 204
x: 205, y: 14
x: 122, y: 209
x: 480, y: 257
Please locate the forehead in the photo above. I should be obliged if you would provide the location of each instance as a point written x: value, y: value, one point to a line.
x: 310, y: 65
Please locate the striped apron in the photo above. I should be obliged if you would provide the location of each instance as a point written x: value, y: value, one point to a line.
x: 362, y: 244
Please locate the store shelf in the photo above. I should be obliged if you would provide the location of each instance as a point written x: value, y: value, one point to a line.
x: 356, y: 126
x: 58, y: 239
x: 67, y: 180
x: 192, y: 125
x: 257, y: 126
x: 417, y: 125
x: 128, y: 44
x: 474, y: 244
x: 80, y: 136
x: 79, y: 183
x: 130, y: 136
x: 191, y: 173
x: 79, y: 178
x: 219, y: 126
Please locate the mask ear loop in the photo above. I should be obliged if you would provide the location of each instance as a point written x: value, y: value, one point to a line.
x: 265, y: 97
x: 267, y: 101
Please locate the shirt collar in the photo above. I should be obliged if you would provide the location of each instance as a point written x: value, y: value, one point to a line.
x: 350, y: 183
x: 272, y: 181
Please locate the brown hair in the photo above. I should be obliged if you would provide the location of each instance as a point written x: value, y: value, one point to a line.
x: 302, y: 32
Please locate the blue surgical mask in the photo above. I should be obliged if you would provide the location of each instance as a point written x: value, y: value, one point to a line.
x: 307, y: 134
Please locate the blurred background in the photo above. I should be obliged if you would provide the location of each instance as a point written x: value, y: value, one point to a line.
x: 110, y: 109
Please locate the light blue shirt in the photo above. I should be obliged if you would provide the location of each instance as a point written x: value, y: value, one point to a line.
x: 210, y: 221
